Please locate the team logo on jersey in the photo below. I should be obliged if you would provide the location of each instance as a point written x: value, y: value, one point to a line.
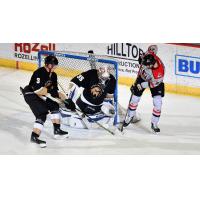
x: 96, y: 91
x: 159, y: 75
x: 38, y: 80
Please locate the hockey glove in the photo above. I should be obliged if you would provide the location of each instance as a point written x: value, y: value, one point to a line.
x: 69, y: 104
x: 140, y: 86
x: 132, y: 89
x: 48, y: 84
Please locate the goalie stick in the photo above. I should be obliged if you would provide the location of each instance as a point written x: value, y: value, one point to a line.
x: 99, y: 124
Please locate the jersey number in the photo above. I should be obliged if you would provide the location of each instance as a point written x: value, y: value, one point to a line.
x: 80, y: 77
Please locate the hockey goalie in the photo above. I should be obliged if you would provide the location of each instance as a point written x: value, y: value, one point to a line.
x: 90, y: 97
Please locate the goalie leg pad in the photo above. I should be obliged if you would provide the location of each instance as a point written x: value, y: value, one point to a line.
x: 108, y: 109
x: 74, y: 120
x: 71, y: 119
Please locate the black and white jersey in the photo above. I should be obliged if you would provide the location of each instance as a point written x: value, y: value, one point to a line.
x: 95, y: 90
x: 40, y: 77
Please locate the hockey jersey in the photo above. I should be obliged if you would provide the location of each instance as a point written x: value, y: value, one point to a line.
x: 154, y: 75
x: 95, y: 90
x: 40, y: 77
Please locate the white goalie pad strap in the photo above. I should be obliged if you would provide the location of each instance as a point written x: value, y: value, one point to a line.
x: 55, y: 116
x: 38, y: 126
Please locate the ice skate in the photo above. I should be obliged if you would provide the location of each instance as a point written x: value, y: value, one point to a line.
x: 36, y: 140
x: 155, y: 128
x: 127, y: 121
x: 60, y: 134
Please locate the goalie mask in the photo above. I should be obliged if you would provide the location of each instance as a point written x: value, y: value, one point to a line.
x: 104, y: 72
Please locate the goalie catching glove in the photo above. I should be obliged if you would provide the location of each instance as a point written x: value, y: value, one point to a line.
x: 69, y: 104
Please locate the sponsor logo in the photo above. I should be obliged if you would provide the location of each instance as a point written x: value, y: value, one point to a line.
x: 127, y: 55
x: 187, y: 66
x: 96, y: 91
x: 124, y: 50
x: 28, y: 51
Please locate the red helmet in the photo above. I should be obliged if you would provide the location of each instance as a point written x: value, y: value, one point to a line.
x: 153, y: 48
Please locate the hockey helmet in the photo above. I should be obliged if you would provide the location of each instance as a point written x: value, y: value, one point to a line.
x: 153, y: 48
x: 104, y: 72
x: 51, y: 60
x: 148, y: 60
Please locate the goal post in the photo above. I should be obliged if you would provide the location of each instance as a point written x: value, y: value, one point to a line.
x: 73, y: 63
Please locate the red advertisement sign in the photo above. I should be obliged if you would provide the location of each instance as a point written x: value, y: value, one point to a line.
x: 28, y: 51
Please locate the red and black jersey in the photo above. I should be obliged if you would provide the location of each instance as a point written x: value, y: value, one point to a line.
x: 154, y: 75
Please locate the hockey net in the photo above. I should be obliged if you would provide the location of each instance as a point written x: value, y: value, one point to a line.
x: 73, y: 63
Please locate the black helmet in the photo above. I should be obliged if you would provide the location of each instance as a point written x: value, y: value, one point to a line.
x: 51, y: 60
x: 148, y: 60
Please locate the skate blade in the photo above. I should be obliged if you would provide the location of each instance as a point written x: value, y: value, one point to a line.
x: 43, y: 145
x: 154, y: 132
x: 60, y: 137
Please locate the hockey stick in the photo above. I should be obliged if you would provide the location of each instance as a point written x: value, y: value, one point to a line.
x: 99, y: 124
x: 122, y: 127
x: 84, y: 114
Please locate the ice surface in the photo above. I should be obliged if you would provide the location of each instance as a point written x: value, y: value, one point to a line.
x: 179, y: 126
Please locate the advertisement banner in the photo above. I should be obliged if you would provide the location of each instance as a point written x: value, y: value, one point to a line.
x: 27, y: 52
x: 182, y: 64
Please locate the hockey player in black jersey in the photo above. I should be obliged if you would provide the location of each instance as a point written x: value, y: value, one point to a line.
x: 98, y: 85
x: 42, y: 83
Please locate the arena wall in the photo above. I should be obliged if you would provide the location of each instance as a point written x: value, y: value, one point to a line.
x: 182, y: 63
